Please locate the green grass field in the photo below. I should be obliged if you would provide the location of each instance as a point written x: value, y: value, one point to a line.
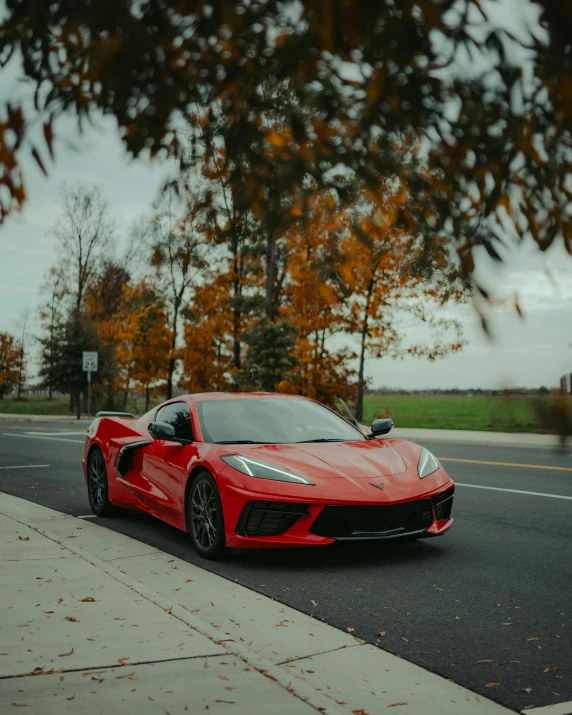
x: 499, y: 414
x: 35, y: 405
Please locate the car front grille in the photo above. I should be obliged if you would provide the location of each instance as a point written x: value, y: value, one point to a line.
x: 269, y: 518
x: 442, y: 504
x: 373, y: 522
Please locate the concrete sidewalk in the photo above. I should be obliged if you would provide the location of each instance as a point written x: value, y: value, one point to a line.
x: 477, y: 439
x: 94, y: 620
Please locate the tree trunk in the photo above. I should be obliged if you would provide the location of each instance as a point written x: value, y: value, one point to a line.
x: 236, y: 316
x: 172, y: 353
x: 363, y: 345
x: 270, y: 269
x: 360, y: 384
x: 20, y: 373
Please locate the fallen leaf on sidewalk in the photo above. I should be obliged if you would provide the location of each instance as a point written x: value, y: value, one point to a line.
x: 72, y: 697
x: 20, y: 705
x: 188, y: 580
x: 168, y: 610
x: 23, y: 538
x: 226, y: 702
x: 382, y: 634
x: 123, y: 661
x: 404, y: 639
x: 62, y: 655
x: 127, y: 675
x: 394, y: 705
x: 492, y: 685
x: 532, y: 639
x: 73, y: 619
x: 223, y: 677
x: 527, y: 690
x: 87, y: 599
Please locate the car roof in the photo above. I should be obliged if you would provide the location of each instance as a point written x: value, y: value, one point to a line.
x: 208, y: 396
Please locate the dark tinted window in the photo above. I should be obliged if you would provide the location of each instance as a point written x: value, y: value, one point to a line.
x: 273, y: 420
x: 178, y: 415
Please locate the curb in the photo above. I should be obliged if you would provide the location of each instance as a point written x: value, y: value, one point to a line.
x: 303, y: 692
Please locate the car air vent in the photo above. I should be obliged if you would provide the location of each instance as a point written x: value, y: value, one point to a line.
x: 269, y: 518
x: 363, y: 522
x: 442, y: 504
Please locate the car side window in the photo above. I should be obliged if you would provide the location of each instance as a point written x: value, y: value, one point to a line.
x: 178, y: 415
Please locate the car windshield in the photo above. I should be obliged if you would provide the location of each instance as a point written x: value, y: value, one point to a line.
x: 272, y: 420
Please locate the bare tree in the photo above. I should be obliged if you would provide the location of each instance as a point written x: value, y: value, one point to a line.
x: 178, y: 253
x: 84, y: 233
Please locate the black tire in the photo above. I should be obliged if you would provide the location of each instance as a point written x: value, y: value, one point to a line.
x: 97, y: 487
x: 205, y: 522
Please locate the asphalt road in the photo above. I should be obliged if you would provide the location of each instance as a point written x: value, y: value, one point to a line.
x: 487, y: 605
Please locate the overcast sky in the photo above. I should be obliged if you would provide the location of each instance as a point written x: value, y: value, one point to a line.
x: 532, y: 351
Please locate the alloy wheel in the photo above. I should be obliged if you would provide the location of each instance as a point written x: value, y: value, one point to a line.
x: 97, y: 481
x: 204, y: 514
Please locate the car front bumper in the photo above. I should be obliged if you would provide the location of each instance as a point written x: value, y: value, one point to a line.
x: 253, y: 522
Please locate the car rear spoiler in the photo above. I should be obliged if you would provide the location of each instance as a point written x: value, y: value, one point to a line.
x: 115, y: 414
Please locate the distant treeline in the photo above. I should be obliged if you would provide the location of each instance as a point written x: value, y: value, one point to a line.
x: 456, y: 391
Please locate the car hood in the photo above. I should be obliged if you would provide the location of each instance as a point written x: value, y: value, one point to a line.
x: 375, y: 472
x: 352, y: 460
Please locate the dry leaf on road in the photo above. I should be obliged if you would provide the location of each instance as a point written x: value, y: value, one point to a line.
x: 87, y: 599
x: 23, y: 538
x: 73, y: 619
x: 492, y: 685
x: 62, y: 655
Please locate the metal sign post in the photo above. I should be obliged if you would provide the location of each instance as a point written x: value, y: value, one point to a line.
x: 89, y: 366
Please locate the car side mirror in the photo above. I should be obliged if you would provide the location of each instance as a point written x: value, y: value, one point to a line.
x: 379, y: 427
x: 162, y: 430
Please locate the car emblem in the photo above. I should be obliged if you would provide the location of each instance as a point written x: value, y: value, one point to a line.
x: 377, y: 486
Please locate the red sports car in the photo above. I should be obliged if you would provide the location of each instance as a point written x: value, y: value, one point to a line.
x: 264, y: 470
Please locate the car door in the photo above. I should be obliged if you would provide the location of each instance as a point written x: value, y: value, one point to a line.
x: 165, y: 465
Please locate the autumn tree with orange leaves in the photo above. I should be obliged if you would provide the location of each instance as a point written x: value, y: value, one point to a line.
x: 9, y: 364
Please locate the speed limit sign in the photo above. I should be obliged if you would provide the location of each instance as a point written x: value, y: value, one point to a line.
x: 89, y: 362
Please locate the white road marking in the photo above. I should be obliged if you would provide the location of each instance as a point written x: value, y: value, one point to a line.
x: 55, y: 434
x: 33, y: 436
x: 88, y: 516
x: 514, y: 491
x: 556, y: 709
x: 26, y: 466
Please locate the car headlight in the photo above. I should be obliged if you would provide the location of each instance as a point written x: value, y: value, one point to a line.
x: 253, y: 468
x: 427, y: 464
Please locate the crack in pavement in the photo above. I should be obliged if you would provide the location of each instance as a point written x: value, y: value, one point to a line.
x: 59, y: 671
